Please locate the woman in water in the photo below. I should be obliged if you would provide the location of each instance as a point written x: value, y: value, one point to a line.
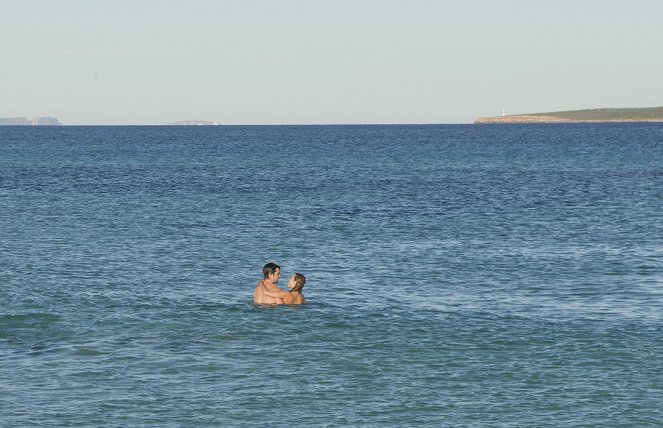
x: 294, y: 296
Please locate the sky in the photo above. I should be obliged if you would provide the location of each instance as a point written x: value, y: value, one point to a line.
x: 130, y: 62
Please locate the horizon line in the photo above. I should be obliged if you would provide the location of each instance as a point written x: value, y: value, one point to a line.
x: 261, y: 124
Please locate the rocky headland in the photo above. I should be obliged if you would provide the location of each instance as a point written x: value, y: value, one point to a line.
x: 604, y: 115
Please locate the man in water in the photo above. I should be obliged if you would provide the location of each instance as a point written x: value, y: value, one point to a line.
x: 272, y: 274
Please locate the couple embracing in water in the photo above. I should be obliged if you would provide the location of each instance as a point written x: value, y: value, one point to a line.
x: 267, y: 292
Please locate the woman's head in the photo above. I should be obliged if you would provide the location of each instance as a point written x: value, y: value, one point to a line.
x: 296, y: 282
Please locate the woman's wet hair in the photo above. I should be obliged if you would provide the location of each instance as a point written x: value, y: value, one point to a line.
x: 300, y: 280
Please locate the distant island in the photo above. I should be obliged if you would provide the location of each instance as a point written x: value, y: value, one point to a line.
x: 601, y: 115
x: 194, y: 122
x: 38, y: 121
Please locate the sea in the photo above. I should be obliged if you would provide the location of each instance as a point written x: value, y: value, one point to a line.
x: 456, y: 275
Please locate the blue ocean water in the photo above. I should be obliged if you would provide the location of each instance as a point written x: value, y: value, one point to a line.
x: 503, y: 276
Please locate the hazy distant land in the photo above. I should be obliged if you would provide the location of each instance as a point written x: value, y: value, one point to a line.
x: 194, y: 122
x: 601, y: 115
x: 41, y: 121
x: 38, y: 121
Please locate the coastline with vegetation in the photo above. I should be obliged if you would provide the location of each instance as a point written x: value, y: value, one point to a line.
x: 602, y: 115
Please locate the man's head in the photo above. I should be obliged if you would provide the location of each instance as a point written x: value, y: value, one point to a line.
x: 272, y: 271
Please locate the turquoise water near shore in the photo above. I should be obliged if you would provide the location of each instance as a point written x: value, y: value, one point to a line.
x: 456, y: 275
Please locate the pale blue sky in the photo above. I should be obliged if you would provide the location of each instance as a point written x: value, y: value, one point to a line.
x: 324, y: 62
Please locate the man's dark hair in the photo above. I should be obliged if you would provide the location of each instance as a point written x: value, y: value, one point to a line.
x: 269, y: 269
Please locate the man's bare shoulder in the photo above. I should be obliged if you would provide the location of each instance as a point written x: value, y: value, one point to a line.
x: 259, y: 293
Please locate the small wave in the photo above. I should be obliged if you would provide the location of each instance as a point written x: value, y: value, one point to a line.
x: 14, y: 320
x: 86, y: 352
